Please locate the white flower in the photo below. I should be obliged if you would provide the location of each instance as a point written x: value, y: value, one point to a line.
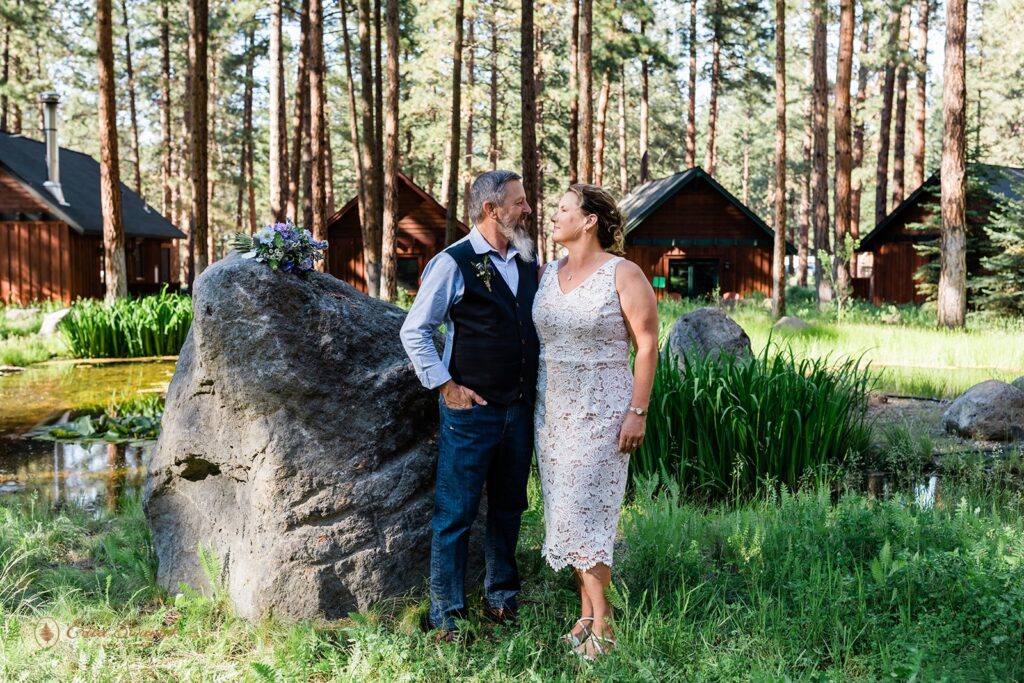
x: 265, y: 235
x: 249, y: 254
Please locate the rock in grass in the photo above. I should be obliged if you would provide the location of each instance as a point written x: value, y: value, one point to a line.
x: 790, y: 323
x: 1019, y: 382
x: 50, y: 322
x: 297, y: 445
x: 708, y: 332
x: 992, y: 410
x: 16, y: 314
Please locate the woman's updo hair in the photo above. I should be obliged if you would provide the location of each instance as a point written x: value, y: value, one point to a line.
x: 611, y: 224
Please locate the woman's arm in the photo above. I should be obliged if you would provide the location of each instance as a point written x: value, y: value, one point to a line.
x: 640, y: 310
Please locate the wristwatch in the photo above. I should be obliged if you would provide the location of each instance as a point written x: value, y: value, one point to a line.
x: 638, y: 411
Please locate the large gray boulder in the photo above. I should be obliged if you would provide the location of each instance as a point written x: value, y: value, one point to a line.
x: 297, y: 445
x: 707, y: 332
x: 51, y: 320
x: 992, y: 410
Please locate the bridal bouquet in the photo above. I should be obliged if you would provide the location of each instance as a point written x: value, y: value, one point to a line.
x: 283, y: 246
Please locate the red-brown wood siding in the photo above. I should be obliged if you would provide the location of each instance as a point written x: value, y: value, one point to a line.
x: 699, y: 211
x: 895, y: 259
x: 15, y: 198
x: 420, y: 235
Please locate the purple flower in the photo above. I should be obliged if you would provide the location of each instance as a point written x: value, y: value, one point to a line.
x: 287, y: 266
x: 307, y: 264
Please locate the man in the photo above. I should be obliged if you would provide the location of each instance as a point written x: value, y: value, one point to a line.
x: 482, y: 289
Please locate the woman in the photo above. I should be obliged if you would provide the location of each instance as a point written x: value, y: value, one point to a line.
x: 591, y: 411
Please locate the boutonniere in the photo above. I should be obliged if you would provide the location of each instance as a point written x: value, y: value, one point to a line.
x: 483, y: 271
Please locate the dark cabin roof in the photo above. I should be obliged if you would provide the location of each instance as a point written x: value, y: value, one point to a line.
x: 419, y: 191
x: 25, y: 160
x: 1003, y: 182
x: 646, y: 199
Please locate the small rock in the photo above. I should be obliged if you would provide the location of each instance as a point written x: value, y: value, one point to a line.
x: 891, y: 318
x: 709, y: 332
x: 992, y: 410
x: 790, y: 323
x: 9, y: 369
x: 50, y: 322
x: 14, y: 314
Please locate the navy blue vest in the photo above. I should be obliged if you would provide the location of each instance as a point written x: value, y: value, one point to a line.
x: 495, y: 348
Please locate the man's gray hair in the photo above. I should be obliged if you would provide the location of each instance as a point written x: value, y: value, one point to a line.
x: 489, y: 187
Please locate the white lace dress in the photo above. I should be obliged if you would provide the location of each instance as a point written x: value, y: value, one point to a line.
x: 583, y: 391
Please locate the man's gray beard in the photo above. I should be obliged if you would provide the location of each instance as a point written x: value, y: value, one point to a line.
x: 518, y: 236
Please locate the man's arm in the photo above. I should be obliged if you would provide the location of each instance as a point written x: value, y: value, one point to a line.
x: 440, y: 286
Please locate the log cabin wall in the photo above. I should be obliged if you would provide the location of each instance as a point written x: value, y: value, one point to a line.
x: 705, y: 226
x: 420, y: 237
x: 895, y: 260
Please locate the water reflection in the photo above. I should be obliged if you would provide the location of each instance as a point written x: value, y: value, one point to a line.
x: 926, y: 494
x: 89, y: 474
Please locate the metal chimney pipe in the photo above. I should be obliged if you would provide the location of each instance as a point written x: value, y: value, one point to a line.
x: 50, y: 101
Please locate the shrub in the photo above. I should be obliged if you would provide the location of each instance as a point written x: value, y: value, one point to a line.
x: 722, y: 427
x: 128, y: 328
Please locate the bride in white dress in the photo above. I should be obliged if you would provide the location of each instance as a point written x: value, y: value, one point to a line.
x: 591, y: 410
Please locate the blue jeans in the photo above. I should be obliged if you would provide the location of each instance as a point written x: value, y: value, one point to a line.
x: 481, y: 445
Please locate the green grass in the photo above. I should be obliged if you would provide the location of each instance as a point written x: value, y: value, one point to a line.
x: 128, y: 328
x: 19, y: 344
x: 790, y: 585
x: 911, y: 358
x: 718, y: 428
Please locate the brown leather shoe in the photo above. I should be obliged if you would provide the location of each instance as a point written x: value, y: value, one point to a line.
x: 507, y: 616
x: 445, y: 635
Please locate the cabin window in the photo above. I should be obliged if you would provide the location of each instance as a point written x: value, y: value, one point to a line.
x: 408, y: 275
x: 692, y: 278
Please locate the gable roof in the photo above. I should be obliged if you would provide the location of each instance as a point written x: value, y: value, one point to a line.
x: 1006, y: 182
x: 639, y: 204
x: 25, y: 160
x: 407, y: 181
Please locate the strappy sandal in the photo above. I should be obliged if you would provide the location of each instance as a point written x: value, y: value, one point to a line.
x: 602, y: 646
x: 577, y: 640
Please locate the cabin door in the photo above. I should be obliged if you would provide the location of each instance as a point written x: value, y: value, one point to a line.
x: 692, y: 278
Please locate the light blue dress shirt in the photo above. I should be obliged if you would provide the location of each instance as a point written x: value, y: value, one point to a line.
x: 441, y: 287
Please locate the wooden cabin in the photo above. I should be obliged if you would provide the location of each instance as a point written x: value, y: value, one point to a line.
x: 420, y: 237
x: 691, y: 236
x: 891, y: 245
x: 51, y: 227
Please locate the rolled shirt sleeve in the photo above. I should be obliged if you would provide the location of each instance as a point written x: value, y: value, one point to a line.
x: 441, y: 286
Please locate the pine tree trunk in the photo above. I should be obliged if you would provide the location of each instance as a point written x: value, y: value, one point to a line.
x: 745, y: 179
x: 844, y: 152
x: 779, y: 251
x: 353, y: 126
x: 623, y: 164
x: 5, y: 76
x: 586, y: 150
x: 711, y: 158
x: 328, y: 155
x: 165, y: 108
x: 306, y: 148
x: 183, y: 198
x: 857, y: 186
x: 952, y: 303
x: 885, y: 119
x: 114, y: 269
x: 317, y: 124
x: 276, y: 115
x: 301, y: 104
x: 644, y: 116
x: 530, y: 160
x: 899, y: 147
x: 452, y: 183
x: 133, y: 112
x: 543, y: 243
x: 389, y: 270
x: 691, y: 105
x: 804, y: 225
x: 198, y: 36
x: 468, y: 106
x: 378, y: 113
x: 819, y: 169
x: 493, y: 153
x: 574, y: 94
x: 371, y: 224
x: 920, y: 92
x: 602, y: 124
x: 245, y: 147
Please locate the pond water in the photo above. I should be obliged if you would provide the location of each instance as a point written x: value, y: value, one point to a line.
x: 90, y: 474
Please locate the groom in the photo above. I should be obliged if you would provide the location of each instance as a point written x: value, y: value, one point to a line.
x: 482, y: 289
